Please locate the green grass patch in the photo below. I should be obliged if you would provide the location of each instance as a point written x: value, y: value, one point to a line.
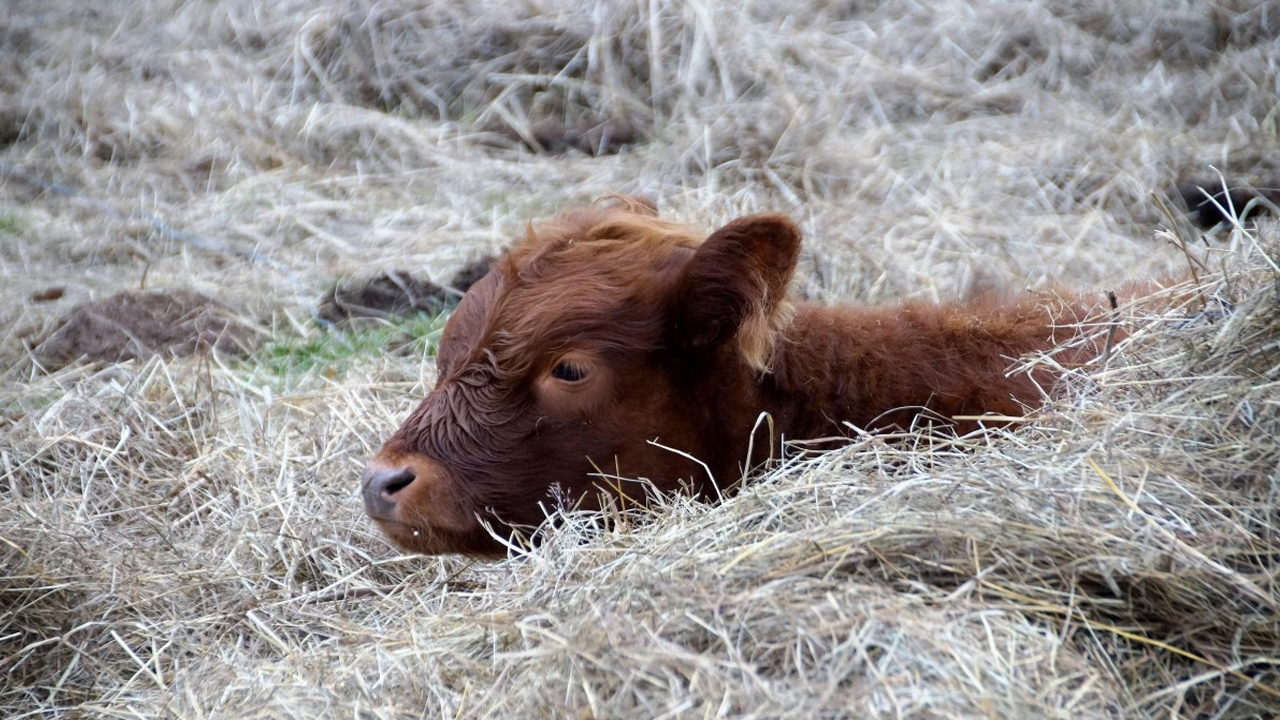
x: 12, y: 224
x: 332, y: 352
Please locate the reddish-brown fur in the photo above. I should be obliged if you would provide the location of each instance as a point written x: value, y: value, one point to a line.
x: 610, y: 346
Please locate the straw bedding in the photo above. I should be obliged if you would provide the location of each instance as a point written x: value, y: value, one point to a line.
x: 181, y: 536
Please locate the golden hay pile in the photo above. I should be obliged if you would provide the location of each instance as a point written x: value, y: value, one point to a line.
x: 182, y: 537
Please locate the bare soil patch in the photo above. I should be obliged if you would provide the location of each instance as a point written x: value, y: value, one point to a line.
x: 140, y: 325
x: 396, y: 293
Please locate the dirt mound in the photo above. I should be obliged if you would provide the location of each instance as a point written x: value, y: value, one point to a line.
x: 391, y: 293
x: 397, y: 292
x: 471, y: 273
x: 134, y: 325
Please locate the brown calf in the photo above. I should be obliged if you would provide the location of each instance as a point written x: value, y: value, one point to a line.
x: 611, y: 344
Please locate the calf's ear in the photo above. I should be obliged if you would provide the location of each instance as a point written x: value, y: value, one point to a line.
x: 735, y: 285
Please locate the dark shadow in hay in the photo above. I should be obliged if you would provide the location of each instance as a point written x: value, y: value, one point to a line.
x: 1209, y: 203
x: 49, y: 294
x: 397, y: 293
x: 594, y: 137
x: 137, y: 325
x: 13, y: 126
x: 455, y: 67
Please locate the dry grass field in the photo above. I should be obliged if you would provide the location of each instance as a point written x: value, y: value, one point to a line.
x: 181, y: 537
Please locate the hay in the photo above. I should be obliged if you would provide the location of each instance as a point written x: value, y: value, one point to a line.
x: 182, y: 538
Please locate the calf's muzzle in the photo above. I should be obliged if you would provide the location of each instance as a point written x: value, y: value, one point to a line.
x: 382, y: 486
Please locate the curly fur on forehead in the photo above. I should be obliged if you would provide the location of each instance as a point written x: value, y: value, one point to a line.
x: 619, y: 237
x: 562, y: 277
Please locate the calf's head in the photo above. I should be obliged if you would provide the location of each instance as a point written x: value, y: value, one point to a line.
x: 607, y: 346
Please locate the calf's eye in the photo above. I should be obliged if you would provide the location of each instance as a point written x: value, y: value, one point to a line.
x: 568, y: 372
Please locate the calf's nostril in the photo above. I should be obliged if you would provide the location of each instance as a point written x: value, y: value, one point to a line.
x: 390, y: 482
x: 380, y: 488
